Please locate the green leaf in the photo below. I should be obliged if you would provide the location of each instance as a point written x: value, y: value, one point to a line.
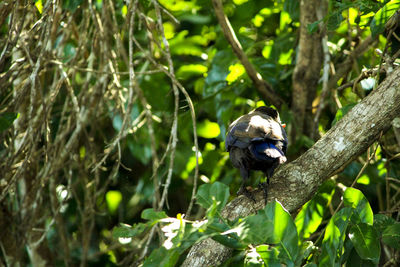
x: 382, y: 17
x: 39, y: 6
x: 310, y: 216
x: 341, y: 112
x: 355, y: 260
x: 270, y: 255
x: 215, y: 80
x: 235, y: 72
x: 391, y: 236
x: 113, y: 199
x: 162, y: 257
x: 255, y: 229
x: 208, y: 129
x: 213, y: 196
x: 355, y: 199
x: 365, y: 240
x: 71, y: 5
x: 229, y: 241
x: 312, y: 27
x: 190, y: 70
x: 335, y: 234
x: 7, y: 119
x: 292, y: 7
x: 285, y: 232
x: 272, y: 225
x: 334, y: 20
x: 152, y: 215
x: 125, y: 230
x: 382, y: 221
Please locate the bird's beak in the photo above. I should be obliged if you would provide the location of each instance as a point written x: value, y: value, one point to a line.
x: 283, y: 125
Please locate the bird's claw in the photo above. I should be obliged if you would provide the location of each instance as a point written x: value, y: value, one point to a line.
x: 243, y: 191
x: 264, y: 187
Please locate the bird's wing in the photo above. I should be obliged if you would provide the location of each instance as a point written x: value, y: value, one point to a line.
x: 256, y: 126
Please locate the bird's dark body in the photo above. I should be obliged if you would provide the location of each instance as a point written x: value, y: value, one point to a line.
x: 257, y: 141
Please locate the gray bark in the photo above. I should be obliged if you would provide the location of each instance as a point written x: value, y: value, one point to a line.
x: 295, y: 183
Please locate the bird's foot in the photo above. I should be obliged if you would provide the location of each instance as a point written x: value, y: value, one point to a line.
x: 243, y: 191
x: 264, y: 187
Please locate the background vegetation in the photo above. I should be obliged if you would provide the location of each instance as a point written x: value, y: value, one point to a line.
x: 104, y: 104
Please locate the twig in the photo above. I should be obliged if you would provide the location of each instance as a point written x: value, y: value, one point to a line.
x: 344, y: 67
x: 174, y: 129
x: 325, y: 87
x: 191, y: 108
x: 104, y: 72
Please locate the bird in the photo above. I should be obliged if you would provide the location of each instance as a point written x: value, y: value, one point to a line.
x: 257, y: 141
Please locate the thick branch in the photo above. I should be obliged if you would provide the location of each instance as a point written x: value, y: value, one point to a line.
x: 262, y: 86
x: 295, y: 183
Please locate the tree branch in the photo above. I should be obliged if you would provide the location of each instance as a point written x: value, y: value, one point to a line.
x: 295, y: 183
x: 344, y: 67
x: 262, y: 86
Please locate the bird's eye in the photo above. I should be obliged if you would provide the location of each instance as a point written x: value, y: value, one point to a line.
x: 283, y: 125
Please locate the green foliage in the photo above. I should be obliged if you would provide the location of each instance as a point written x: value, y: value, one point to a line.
x: 383, y: 15
x: 81, y: 208
x: 6, y: 120
x: 269, y: 238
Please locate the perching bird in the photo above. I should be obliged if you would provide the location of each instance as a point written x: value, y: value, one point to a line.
x: 257, y: 141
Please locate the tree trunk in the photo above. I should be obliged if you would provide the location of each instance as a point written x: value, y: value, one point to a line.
x: 308, y: 66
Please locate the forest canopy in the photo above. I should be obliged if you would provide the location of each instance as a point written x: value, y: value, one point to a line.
x: 113, y: 118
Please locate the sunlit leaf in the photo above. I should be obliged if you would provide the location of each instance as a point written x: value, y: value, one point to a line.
x: 113, y: 199
x: 39, y: 6
x: 169, y: 30
x: 239, y: 2
x: 124, y: 10
x: 208, y: 129
x: 285, y: 20
x: 186, y: 71
x: 311, y: 214
x: 382, y: 17
x: 355, y: 199
x: 236, y: 71
x: 364, y: 179
x: 335, y: 234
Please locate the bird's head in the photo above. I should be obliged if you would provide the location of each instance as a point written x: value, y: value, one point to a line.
x: 273, y: 113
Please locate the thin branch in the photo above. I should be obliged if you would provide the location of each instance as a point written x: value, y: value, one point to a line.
x: 262, y: 86
x: 325, y: 88
x: 174, y: 129
x: 344, y: 67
